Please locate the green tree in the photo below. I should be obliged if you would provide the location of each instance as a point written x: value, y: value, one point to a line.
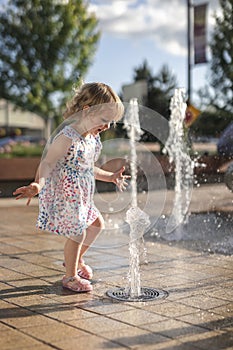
x: 160, y: 90
x: 160, y: 87
x: 209, y: 123
x: 45, y: 47
x: 219, y: 92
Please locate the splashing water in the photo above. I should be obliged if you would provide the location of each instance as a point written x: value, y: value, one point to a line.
x: 132, y: 125
x: 136, y: 218
x: 138, y: 222
x: 178, y: 152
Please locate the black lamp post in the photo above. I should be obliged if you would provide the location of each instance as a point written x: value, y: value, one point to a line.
x: 190, y: 47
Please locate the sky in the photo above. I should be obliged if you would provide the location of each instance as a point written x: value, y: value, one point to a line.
x: 138, y: 30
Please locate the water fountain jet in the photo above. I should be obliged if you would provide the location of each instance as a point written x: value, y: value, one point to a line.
x: 137, y: 219
x: 178, y: 151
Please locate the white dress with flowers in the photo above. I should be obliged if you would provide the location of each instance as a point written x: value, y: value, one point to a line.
x: 66, y: 200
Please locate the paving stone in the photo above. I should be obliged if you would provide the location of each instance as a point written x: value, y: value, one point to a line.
x: 88, y: 342
x: 70, y: 313
x: 135, y: 337
x: 37, y: 313
x: 203, y: 302
x: 208, y: 320
x: 104, y: 306
x: 174, y: 329
x: 137, y: 317
x: 210, y: 340
x: 14, y: 339
x: 58, y: 331
x: 225, y: 310
x: 171, y: 309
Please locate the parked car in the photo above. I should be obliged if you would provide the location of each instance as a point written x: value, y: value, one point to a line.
x: 225, y: 148
x: 225, y: 142
x: 228, y: 177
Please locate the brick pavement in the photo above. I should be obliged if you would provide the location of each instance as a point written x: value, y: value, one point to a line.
x: 36, y: 313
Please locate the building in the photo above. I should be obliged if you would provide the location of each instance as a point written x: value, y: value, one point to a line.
x: 14, y: 120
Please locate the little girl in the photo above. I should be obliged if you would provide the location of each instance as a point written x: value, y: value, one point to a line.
x: 66, y: 175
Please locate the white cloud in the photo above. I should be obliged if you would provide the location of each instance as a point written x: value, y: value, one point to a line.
x: 163, y: 22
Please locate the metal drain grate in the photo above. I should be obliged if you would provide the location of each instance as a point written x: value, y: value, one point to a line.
x: 147, y: 294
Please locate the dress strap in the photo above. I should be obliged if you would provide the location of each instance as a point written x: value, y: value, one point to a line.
x: 71, y: 133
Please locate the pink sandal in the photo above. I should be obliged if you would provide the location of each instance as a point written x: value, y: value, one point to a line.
x: 85, y: 271
x: 76, y: 284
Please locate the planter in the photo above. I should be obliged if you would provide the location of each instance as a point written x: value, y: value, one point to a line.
x: 18, y: 168
x: 16, y: 172
x: 210, y: 164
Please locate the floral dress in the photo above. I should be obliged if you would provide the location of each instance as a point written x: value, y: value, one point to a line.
x: 66, y: 200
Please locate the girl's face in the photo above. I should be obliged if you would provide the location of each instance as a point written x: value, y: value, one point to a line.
x: 100, y: 125
x: 99, y: 122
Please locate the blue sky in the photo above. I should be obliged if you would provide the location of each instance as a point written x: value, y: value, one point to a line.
x: 135, y: 30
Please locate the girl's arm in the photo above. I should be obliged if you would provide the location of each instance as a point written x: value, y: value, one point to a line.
x: 57, y: 150
x: 117, y: 178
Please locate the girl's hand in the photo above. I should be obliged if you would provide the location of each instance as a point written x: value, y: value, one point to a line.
x: 27, y: 191
x: 119, y: 179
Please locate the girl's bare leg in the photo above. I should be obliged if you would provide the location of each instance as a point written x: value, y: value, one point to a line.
x: 92, y: 233
x: 72, y: 252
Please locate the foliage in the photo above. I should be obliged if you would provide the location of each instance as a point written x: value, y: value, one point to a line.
x: 209, y: 124
x: 21, y: 150
x: 45, y: 47
x: 160, y: 87
x: 219, y: 93
x: 160, y: 90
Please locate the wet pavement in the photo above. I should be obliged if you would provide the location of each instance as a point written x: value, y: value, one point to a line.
x: 37, y: 313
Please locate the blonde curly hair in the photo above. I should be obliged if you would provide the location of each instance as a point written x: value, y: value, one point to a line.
x: 94, y: 94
